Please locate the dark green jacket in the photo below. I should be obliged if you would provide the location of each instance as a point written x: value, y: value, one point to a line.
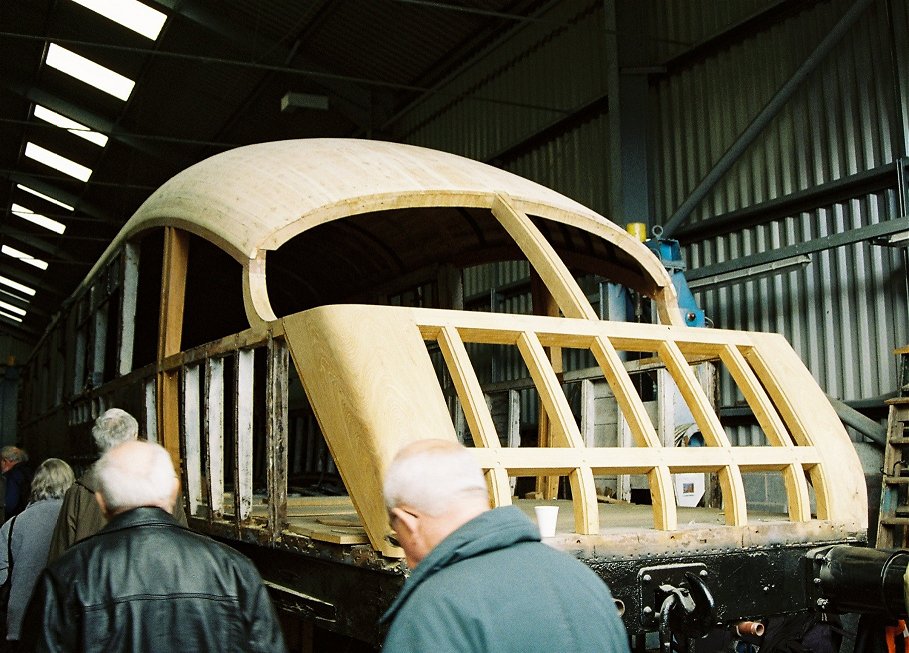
x: 493, y: 586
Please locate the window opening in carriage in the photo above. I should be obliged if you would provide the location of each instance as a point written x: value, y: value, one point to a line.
x: 311, y: 468
x: 213, y: 304
x: 225, y: 416
x: 757, y: 421
x: 443, y: 257
x: 404, y: 257
x: 651, y: 379
x: 148, y: 299
x: 98, y: 329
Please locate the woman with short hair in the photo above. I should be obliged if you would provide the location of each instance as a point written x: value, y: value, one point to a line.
x: 31, y: 535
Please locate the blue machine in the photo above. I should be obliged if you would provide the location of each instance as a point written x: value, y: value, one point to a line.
x: 670, y: 255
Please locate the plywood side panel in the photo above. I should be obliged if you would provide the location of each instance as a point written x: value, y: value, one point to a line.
x: 350, y: 360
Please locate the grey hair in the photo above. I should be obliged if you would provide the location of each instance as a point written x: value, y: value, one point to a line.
x: 112, y: 427
x: 52, y: 479
x: 143, y: 476
x: 433, y: 477
x: 13, y: 454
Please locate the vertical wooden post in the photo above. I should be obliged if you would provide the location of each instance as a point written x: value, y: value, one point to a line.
x: 192, y: 430
x: 244, y: 366
x: 213, y: 411
x: 544, y: 304
x: 276, y: 433
x: 170, y: 333
x: 129, y: 285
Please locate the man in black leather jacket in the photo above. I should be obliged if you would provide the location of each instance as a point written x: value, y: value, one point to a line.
x: 145, y: 583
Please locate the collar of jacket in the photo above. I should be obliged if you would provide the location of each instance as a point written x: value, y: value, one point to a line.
x: 143, y: 516
x: 490, y: 531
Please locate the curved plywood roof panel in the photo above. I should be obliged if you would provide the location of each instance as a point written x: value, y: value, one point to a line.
x: 254, y: 199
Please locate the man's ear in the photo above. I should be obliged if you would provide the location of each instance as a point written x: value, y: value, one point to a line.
x: 100, y: 500
x: 405, y: 521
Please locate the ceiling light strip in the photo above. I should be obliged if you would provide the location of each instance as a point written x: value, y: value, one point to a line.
x: 11, y: 308
x: 133, y: 15
x: 57, y: 162
x: 88, y: 71
x: 38, y: 219
x: 22, y: 256
x: 71, y: 126
x: 15, y: 285
x: 45, y: 197
x: 10, y: 317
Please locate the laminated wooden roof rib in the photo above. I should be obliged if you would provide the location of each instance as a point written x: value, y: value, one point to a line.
x: 253, y: 199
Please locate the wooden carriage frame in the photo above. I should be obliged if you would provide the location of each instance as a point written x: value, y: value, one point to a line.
x: 371, y: 382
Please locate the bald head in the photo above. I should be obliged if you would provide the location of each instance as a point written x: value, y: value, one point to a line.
x: 432, y: 488
x: 434, y: 476
x: 135, y: 474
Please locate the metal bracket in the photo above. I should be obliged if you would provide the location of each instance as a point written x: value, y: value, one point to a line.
x: 649, y: 581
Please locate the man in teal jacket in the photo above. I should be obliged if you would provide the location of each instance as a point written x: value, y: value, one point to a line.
x: 482, y: 580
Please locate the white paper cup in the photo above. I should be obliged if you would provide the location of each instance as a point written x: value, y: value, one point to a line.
x: 546, y: 519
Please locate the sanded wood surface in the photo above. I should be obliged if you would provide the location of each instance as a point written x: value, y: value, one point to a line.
x: 373, y: 389
x: 253, y: 199
x: 555, y: 275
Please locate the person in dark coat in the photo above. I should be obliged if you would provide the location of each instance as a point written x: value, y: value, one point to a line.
x: 482, y: 580
x: 80, y: 515
x: 17, y: 476
x: 31, y: 533
x: 144, y: 583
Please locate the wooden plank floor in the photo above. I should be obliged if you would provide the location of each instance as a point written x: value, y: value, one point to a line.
x: 334, y: 519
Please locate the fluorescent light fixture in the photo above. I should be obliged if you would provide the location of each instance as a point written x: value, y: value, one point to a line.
x: 293, y: 101
x: 10, y: 317
x: 22, y: 256
x: 15, y: 285
x: 129, y: 13
x: 44, y: 197
x: 38, y: 219
x: 89, y: 72
x: 57, y: 162
x: 71, y: 126
x: 752, y: 272
x: 9, y: 308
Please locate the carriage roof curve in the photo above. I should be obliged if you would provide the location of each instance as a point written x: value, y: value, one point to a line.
x: 253, y: 199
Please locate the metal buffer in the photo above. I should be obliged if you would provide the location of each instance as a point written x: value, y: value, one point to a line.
x: 893, y: 526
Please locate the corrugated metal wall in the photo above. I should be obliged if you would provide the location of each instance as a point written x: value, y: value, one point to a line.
x: 847, y: 309
x: 543, y: 72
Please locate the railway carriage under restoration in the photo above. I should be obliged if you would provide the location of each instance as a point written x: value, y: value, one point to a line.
x: 283, y: 317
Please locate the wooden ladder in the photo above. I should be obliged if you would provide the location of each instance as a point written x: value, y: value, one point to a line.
x: 893, y: 525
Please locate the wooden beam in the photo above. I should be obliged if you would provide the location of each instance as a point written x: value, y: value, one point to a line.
x: 797, y: 497
x: 476, y: 412
x: 276, y: 436
x: 565, y: 431
x: 545, y: 304
x: 730, y: 476
x: 170, y: 333
x: 558, y: 279
x: 213, y: 410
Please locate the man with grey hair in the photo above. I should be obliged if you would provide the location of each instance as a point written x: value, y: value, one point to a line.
x: 145, y: 583
x: 481, y: 579
x: 80, y: 515
x: 17, y: 477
